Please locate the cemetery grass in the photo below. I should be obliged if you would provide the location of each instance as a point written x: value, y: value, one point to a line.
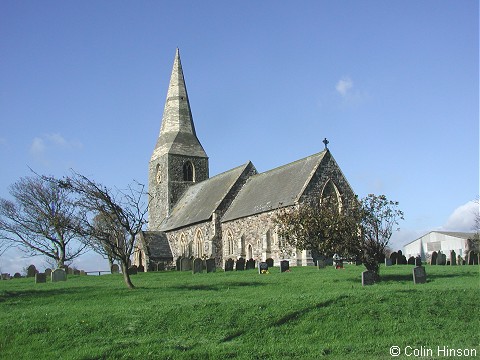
x: 304, y: 314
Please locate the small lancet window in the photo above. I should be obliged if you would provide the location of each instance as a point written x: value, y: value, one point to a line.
x: 188, y: 171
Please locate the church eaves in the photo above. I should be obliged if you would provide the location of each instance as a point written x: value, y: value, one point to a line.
x: 177, y: 133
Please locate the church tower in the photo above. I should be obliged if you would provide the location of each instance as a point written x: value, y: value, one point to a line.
x: 178, y: 160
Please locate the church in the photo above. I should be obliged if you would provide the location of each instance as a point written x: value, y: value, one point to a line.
x: 227, y: 216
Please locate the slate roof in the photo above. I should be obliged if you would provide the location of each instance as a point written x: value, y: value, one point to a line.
x: 157, y: 244
x: 279, y: 187
x: 201, y: 200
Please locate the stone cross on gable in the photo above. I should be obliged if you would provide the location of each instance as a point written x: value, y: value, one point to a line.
x: 325, y: 141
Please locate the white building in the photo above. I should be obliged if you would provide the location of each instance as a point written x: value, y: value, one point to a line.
x: 443, y: 241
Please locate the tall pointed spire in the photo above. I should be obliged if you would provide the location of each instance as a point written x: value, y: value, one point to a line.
x: 177, y: 133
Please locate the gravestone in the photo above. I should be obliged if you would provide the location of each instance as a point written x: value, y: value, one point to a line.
x: 132, y: 270
x: 69, y: 271
x: 368, y: 277
x: 393, y: 258
x: 114, y: 269
x: 269, y: 262
x: 178, y: 264
x: 250, y: 264
x: 211, y: 265
x: 40, y: 278
x: 285, y: 265
x: 17, y: 275
x: 141, y: 268
x: 197, y: 266
x: 472, y: 258
x: 48, y: 272
x: 321, y: 263
x: 186, y: 264
x: 401, y: 258
x: 240, y: 265
x: 229, y: 265
x: 31, y: 271
x: 59, y: 275
x: 411, y: 260
x: 76, y: 272
x: 453, y: 257
x: 388, y: 262
x: 441, y: 258
x: 262, y: 268
x: 433, y: 258
x: 459, y: 260
x: 418, y: 261
x: 419, y: 275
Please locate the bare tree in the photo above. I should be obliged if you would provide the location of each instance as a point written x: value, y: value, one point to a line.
x: 110, y: 219
x: 40, y: 220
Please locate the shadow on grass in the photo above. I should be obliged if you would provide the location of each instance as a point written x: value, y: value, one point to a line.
x: 43, y: 293
x: 216, y: 287
x: 289, y: 317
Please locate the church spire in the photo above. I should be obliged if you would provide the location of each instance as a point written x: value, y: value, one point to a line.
x: 177, y: 133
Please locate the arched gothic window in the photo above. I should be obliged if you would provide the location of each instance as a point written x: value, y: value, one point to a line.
x: 188, y: 171
x: 183, y: 245
x: 229, y: 248
x: 199, y: 243
x: 331, y: 194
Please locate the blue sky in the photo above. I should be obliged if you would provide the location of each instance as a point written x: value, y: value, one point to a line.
x: 393, y: 85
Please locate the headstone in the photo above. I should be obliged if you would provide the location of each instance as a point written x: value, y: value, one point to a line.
x: 40, y: 278
x: 186, y: 264
x: 411, y: 260
x: 441, y: 258
x: 400, y: 258
x: 229, y: 265
x: 211, y: 265
x: 178, y: 264
x: 262, y: 268
x: 76, y: 272
x: 472, y: 258
x: 69, y: 271
x: 459, y: 260
x: 161, y: 266
x: 285, y: 265
x: 141, y: 268
x: 197, y: 266
x: 419, y: 275
x: 17, y: 275
x: 132, y: 270
x: 321, y: 263
x: 368, y: 277
x: 48, y: 272
x: 453, y: 257
x: 358, y: 261
x: 269, y: 262
x: 393, y: 258
x: 418, y: 261
x: 388, y: 262
x: 433, y: 258
x: 250, y: 264
x: 115, y: 269
x: 31, y: 271
x: 240, y: 265
x: 59, y: 275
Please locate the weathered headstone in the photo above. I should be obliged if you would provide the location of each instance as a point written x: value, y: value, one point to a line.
x: 441, y: 258
x: 472, y: 258
x: 70, y: 271
x: 262, y: 268
x: 48, y: 272
x: 250, y: 264
x: 321, y: 263
x: 31, y: 271
x: 178, y: 264
x: 115, y: 269
x: 388, y: 262
x: 411, y: 260
x: 197, y: 266
x: 418, y: 261
x: 17, y: 275
x: 186, y: 264
x: 59, y: 275
x: 229, y: 265
x: 40, y: 278
x: 285, y: 265
x: 368, y: 277
x: 401, y: 259
x: 240, y: 265
x: 269, y: 262
x: 211, y: 265
x: 393, y: 258
x: 132, y: 270
x: 433, y: 258
x: 459, y: 260
x: 141, y: 268
x: 453, y: 257
x: 419, y: 275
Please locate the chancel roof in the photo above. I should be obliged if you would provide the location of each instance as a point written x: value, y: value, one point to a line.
x: 272, y: 189
x: 201, y: 200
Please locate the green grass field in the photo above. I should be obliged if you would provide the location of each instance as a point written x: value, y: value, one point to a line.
x: 305, y: 314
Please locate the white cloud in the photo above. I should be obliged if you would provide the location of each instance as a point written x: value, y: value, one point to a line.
x: 344, y: 85
x: 38, y: 146
x: 462, y: 218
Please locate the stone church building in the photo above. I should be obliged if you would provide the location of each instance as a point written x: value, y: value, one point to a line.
x: 229, y: 215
